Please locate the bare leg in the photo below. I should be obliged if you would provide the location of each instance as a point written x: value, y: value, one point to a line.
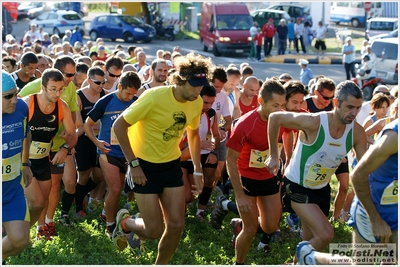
x: 343, y: 180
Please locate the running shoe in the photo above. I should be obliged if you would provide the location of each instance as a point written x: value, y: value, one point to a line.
x: 43, y: 232
x: 80, y: 215
x: 265, y: 248
x: 344, y: 216
x: 236, y: 225
x: 293, y: 222
x: 119, y: 237
x: 303, y: 253
x: 51, y: 228
x: 64, y: 219
x: 277, y: 237
x: 109, y: 230
x: 218, y: 213
x: 200, y: 216
x: 134, y: 241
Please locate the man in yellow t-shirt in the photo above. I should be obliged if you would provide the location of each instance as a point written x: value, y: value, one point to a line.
x: 149, y: 132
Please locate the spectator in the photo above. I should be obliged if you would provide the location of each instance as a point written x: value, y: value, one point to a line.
x: 364, y: 48
x: 305, y: 74
x: 268, y: 31
x: 349, y: 57
x: 54, y: 41
x: 253, y: 32
x: 258, y: 39
x: 67, y: 36
x: 308, y: 36
x: 320, y: 39
x: 32, y: 33
x: 102, y: 55
x: 76, y: 36
x: 282, y: 30
x: 298, y: 31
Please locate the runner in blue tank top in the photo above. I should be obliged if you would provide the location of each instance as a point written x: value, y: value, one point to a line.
x: 15, y: 164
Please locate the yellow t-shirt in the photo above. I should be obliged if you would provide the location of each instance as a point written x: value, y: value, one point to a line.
x: 158, y: 122
x: 69, y: 96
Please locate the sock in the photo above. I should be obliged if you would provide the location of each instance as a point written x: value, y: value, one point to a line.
x: 79, y: 196
x: 47, y: 220
x: 224, y: 204
x: 233, y: 207
x: 103, y: 212
x: 199, y: 211
x: 110, y: 223
x: 205, y: 195
x: 265, y: 238
x: 123, y: 224
x: 90, y: 186
x: 66, y: 202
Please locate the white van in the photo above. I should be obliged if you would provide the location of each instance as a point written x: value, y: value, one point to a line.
x: 378, y: 26
x: 353, y: 12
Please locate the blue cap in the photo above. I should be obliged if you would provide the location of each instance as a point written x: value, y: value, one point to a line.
x: 7, y: 82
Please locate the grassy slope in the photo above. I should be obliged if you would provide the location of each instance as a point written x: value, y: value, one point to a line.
x: 85, y: 243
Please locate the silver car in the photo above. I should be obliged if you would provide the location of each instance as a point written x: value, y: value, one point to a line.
x: 387, y: 62
x: 58, y: 21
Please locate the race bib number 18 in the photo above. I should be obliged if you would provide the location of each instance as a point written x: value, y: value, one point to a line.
x: 11, y: 167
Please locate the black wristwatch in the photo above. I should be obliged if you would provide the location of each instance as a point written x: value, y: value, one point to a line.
x: 214, y: 152
x: 133, y: 163
x: 26, y: 164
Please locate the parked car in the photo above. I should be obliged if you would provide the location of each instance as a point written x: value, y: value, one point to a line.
x: 58, y: 21
x: 393, y: 34
x: 295, y: 11
x: 376, y: 26
x: 127, y: 27
x: 387, y: 63
x: 78, y: 7
x: 261, y: 16
x: 33, y: 9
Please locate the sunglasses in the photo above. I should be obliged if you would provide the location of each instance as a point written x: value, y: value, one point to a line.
x: 113, y: 75
x: 9, y: 96
x: 69, y: 75
x: 325, y: 97
x: 98, y: 82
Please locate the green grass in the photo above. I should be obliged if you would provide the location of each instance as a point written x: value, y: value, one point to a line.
x: 85, y: 243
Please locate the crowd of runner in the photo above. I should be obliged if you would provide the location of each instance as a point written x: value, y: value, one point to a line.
x: 89, y: 125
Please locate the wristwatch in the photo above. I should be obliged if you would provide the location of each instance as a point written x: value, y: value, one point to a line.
x: 213, y: 152
x: 26, y: 164
x: 134, y: 163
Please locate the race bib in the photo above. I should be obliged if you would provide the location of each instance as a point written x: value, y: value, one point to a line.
x: 318, y: 175
x: 11, y: 167
x: 114, y: 140
x: 39, y: 150
x: 257, y: 157
x: 389, y: 195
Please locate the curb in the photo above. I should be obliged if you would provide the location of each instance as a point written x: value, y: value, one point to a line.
x: 327, y: 60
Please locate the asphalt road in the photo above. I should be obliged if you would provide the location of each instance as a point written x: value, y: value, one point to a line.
x: 262, y: 70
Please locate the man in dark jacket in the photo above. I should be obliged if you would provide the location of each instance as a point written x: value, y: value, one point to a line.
x: 282, y: 31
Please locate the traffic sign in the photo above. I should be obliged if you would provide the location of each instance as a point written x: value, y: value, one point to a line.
x: 367, y: 6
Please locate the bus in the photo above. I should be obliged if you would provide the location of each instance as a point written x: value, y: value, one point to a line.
x: 353, y: 12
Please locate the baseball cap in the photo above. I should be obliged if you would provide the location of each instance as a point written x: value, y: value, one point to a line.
x: 348, y: 38
x: 198, y: 80
x: 101, y: 47
x: 303, y: 62
x: 7, y: 82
